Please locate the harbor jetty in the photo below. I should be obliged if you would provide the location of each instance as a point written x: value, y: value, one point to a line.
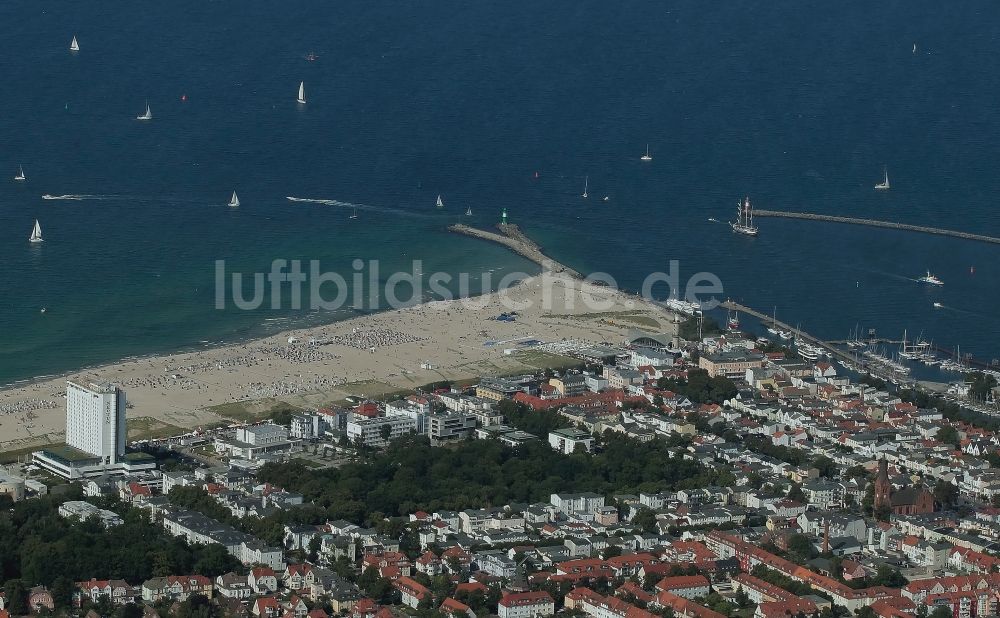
x: 875, y: 223
x: 764, y: 317
x: 514, y: 239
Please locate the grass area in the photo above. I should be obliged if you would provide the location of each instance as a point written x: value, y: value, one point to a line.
x: 206, y: 450
x: 637, y: 318
x: 149, y: 428
x: 17, y: 454
x: 373, y: 389
x: 546, y: 360
x: 641, y: 320
x: 250, y: 411
x: 309, y: 463
x: 71, y: 454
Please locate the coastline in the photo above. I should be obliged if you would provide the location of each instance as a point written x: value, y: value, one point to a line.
x: 369, y: 354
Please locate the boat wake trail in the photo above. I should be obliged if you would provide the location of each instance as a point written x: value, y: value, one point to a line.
x: 942, y: 307
x: 75, y: 197
x: 890, y: 275
x: 352, y: 205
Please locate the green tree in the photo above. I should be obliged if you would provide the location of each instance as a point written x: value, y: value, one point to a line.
x: 826, y: 466
x: 611, y: 551
x: 215, y: 561
x: 795, y: 493
x: 282, y: 414
x: 947, y: 434
x: 742, y: 600
x: 888, y: 576
x: 980, y: 385
x: 801, y: 548
x: 945, y: 493
x: 128, y: 610
x: 16, y: 597
x: 62, y: 592
x: 856, y: 472
x: 645, y: 520
x: 941, y: 611
x: 315, y: 543
x: 197, y: 606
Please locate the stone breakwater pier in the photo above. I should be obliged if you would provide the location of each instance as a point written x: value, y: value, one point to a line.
x: 514, y: 239
x: 875, y: 223
x: 765, y: 318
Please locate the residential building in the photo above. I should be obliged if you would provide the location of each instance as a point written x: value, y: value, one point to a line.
x: 526, y: 605
x: 369, y: 431
x: 454, y: 426
x: 568, y: 439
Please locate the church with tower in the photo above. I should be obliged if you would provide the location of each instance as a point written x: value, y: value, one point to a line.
x: 908, y: 500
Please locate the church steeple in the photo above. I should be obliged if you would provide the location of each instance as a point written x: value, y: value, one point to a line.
x: 883, y: 487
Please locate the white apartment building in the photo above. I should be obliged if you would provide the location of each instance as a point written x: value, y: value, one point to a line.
x: 566, y: 440
x: 369, y: 430
x: 577, y: 504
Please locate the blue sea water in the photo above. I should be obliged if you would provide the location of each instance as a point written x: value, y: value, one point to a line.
x: 798, y: 104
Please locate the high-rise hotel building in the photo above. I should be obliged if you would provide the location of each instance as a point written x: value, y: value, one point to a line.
x: 95, y: 436
x: 95, y: 420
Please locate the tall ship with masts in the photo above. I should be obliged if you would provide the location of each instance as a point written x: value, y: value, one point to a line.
x: 744, y: 219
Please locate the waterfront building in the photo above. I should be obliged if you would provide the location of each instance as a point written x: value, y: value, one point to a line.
x: 730, y: 364
x: 95, y: 420
x: 95, y: 436
x: 252, y: 442
x: 370, y: 433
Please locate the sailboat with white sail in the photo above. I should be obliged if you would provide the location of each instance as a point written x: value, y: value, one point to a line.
x: 74, y: 46
x: 884, y: 185
x: 440, y: 203
x: 234, y: 201
x: 354, y: 215
x: 20, y: 174
x: 36, y: 233
x: 647, y: 156
x: 468, y: 211
x: 148, y: 115
x: 302, y: 92
x: 773, y: 328
x: 586, y: 185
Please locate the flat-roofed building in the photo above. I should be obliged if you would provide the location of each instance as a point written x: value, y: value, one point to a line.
x: 730, y: 364
x: 568, y: 439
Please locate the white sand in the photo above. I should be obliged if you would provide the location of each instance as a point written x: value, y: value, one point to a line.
x: 451, y: 336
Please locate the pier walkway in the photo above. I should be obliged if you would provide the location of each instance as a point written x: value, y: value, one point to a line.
x: 513, y: 238
x: 875, y: 223
x: 836, y: 352
x: 767, y: 319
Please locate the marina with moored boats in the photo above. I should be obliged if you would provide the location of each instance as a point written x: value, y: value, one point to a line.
x: 887, y: 359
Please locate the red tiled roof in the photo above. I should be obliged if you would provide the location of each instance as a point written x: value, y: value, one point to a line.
x: 521, y: 599
x: 410, y: 586
x: 682, y: 582
x: 452, y: 606
x: 681, y: 605
x: 471, y: 587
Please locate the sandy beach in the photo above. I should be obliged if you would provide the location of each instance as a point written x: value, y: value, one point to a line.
x: 371, y: 354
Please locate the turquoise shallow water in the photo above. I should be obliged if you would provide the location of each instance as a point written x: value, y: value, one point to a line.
x: 799, y: 104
